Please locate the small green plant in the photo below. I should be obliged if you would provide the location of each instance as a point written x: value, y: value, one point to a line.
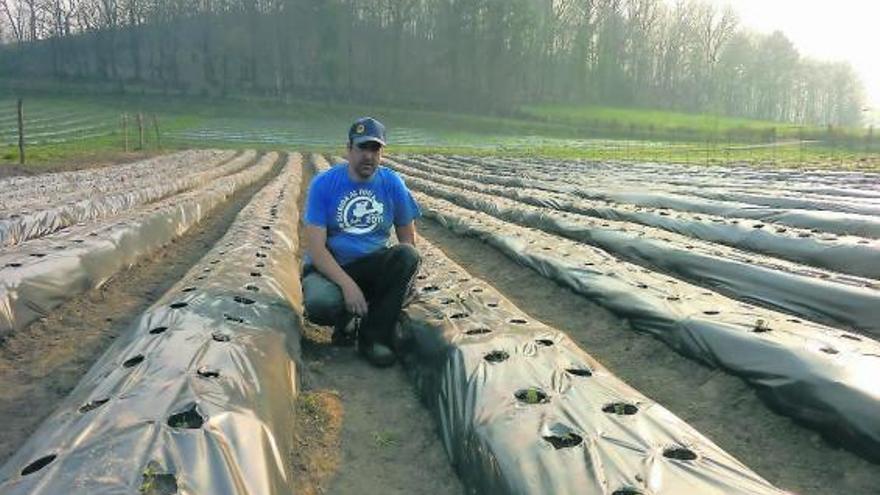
x: 532, y: 396
x: 384, y: 438
x: 156, y: 482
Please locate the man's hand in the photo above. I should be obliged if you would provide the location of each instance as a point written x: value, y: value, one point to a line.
x: 355, y: 302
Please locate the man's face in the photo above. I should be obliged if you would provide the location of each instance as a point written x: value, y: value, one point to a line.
x: 365, y: 158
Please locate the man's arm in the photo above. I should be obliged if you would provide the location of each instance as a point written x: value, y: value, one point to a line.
x: 316, y: 243
x: 406, y: 234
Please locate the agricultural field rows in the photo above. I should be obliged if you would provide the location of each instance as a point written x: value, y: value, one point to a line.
x: 200, y: 392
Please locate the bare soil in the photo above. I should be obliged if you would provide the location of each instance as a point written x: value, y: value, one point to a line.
x: 387, y: 443
x: 720, y: 406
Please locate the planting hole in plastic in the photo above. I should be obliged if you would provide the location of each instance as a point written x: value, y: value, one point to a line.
x: 259, y: 265
x: 712, y: 312
x: 421, y: 277
x: 829, y: 350
x: 447, y: 301
x: 579, y: 371
x: 206, y: 372
x: 680, y: 453
x: 190, y: 418
x: 561, y: 437
x: 478, y: 331
x: 243, y: 300
x: 851, y: 337
x: 518, y: 321
x: 458, y: 316
x: 430, y: 288
x: 188, y: 289
x: 157, y: 483
x: 626, y: 491
x: 38, y: 464
x: 252, y: 288
x: 532, y: 395
x: 38, y: 255
x: 496, y: 356
x: 261, y: 255
x: 492, y: 304
x: 179, y: 305
x: 134, y: 361
x: 673, y: 298
x: 233, y: 319
x: 544, y: 342
x: 761, y: 326
x: 13, y: 265
x: 158, y: 330
x: 92, y: 405
x: 477, y: 290
x: 620, y: 408
x: 220, y: 337
x: 256, y: 274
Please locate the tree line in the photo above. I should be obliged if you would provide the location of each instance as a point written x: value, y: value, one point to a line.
x: 488, y: 55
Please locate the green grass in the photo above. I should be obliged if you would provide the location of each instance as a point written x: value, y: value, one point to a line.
x: 676, y: 126
x: 314, y: 126
x: 624, y: 118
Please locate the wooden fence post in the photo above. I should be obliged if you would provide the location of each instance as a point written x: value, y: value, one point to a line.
x: 21, y: 158
x: 141, y: 130
x: 158, y: 136
x: 125, y: 130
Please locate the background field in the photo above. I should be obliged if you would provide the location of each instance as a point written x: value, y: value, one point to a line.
x: 61, y: 128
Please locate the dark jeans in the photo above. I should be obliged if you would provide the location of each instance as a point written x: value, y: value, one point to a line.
x: 384, y: 277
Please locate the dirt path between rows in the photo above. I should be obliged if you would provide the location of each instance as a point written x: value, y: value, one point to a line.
x: 41, y: 364
x: 720, y: 406
x: 386, y: 440
x: 362, y: 430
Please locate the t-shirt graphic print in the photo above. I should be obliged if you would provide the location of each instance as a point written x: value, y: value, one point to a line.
x: 360, y: 212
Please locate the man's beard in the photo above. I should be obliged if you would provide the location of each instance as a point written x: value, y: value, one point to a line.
x: 365, y: 169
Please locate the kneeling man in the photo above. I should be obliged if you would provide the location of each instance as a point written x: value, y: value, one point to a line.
x: 350, y: 271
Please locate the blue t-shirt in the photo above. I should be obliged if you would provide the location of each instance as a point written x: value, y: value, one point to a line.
x: 358, y: 215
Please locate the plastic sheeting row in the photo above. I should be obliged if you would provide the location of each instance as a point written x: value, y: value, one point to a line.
x: 835, y: 299
x: 821, y: 376
x: 521, y: 409
x: 22, y: 192
x: 45, y: 272
x: 854, y: 192
x: 845, y: 254
x: 825, y: 221
x: 197, y: 397
x: 52, y: 216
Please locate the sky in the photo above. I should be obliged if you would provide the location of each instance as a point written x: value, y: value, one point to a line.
x: 823, y: 29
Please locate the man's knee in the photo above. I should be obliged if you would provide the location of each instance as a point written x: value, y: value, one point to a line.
x: 405, y: 257
x: 322, y: 300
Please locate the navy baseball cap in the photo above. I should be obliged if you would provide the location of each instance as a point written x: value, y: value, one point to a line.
x: 366, y: 129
